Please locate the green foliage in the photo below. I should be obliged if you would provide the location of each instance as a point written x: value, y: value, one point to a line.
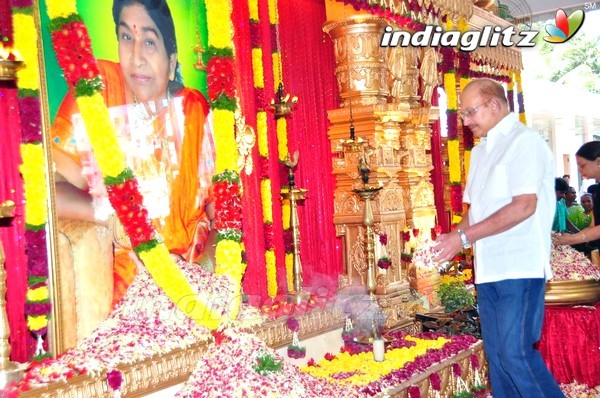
x: 455, y: 295
x: 266, y: 364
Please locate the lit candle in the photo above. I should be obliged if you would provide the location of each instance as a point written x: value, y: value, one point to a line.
x: 378, y: 350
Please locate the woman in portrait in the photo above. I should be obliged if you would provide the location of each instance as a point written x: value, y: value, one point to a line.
x: 163, y: 129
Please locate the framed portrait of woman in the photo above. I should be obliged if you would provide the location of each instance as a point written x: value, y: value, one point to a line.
x: 149, y: 56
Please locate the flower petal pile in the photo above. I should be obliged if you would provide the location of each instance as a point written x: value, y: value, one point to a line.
x: 226, y: 371
x: 569, y: 264
x: 145, y: 323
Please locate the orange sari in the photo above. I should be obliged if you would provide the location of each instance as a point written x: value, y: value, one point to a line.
x: 186, y: 228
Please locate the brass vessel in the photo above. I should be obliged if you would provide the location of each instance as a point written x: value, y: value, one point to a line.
x: 572, y: 292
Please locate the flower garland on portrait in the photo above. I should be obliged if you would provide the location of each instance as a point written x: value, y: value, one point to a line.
x: 223, y: 102
x: 33, y: 171
x: 263, y: 145
x: 72, y: 45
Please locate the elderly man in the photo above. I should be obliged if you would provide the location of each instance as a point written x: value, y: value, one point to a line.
x: 510, y: 190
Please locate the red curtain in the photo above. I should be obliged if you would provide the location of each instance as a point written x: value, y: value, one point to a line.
x: 308, y: 65
x: 570, y: 344
x: 308, y: 71
x: 12, y: 231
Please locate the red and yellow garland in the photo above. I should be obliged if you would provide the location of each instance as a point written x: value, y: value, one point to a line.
x: 282, y: 145
x: 222, y: 97
x: 33, y: 170
x: 74, y: 54
x: 263, y: 146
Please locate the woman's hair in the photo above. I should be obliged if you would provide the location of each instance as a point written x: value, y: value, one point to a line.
x: 160, y: 13
x: 589, y: 151
x: 560, y: 185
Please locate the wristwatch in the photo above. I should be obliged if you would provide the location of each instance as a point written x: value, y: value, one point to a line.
x: 463, y: 239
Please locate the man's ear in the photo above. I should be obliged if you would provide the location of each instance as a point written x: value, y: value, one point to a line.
x: 172, y: 66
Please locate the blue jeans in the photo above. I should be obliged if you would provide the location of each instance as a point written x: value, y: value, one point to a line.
x: 511, y: 314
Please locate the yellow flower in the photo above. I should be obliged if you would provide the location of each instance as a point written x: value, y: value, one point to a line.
x: 450, y: 87
x: 37, y: 322
x: 225, y: 146
x: 282, y: 141
x: 37, y: 295
x: 286, y: 212
x: 467, y: 161
x: 228, y: 254
x: 454, y: 160
x: 267, y: 202
x: 253, y: 9
x: 289, y: 270
x: 60, y: 8
x: 276, y: 69
x: 273, y: 14
x: 364, y: 366
x: 102, y: 135
x: 257, y: 68
x: 167, y: 275
x: 463, y: 82
x: 34, y: 184
x: 218, y: 20
x: 456, y: 219
x: 25, y: 38
x: 271, y: 273
x: 263, y: 139
x: 463, y: 25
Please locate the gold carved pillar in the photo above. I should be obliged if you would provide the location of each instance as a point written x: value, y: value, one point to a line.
x: 379, y: 91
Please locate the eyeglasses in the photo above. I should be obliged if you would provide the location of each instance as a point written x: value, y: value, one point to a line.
x: 470, y: 112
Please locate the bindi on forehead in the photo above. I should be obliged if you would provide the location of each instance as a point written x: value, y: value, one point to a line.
x: 134, y: 28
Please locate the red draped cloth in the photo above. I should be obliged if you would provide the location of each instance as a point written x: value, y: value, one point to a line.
x: 570, y: 344
x: 308, y: 72
x: 12, y: 231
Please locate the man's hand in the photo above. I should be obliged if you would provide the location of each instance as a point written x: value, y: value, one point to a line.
x: 448, y: 245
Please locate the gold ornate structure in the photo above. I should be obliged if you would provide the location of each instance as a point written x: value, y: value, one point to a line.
x: 8, y: 69
x: 367, y: 194
x: 397, y: 132
x: 9, y: 371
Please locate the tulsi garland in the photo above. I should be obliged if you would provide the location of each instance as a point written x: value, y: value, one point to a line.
x: 263, y: 146
x: 282, y: 145
x: 228, y: 209
x: 33, y: 170
x: 72, y: 45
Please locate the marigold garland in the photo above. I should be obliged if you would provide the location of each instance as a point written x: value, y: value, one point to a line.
x: 33, y: 170
x: 65, y: 22
x: 228, y: 212
x: 262, y: 128
x: 282, y: 143
x: 520, y: 99
x: 510, y: 95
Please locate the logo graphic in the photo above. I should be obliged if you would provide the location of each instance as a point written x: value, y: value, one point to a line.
x: 565, y: 27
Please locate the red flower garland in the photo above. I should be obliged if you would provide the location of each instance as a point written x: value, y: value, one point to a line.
x: 73, y: 49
